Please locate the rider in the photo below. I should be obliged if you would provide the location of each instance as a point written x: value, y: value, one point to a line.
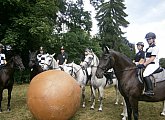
x: 62, y: 58
x: 140, y: 55
x: 2, y: 57
x: 151, y: 63
x: 88, y: 70
x: 39, y: 56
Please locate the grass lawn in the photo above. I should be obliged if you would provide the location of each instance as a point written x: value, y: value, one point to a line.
x: 19, y: 109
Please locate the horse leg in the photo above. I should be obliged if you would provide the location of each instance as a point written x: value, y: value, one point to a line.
x: 91, y: 93
x: 93, y: 98
x: 163, y: 112
x: 83, y: 96
x: 129, y: 109
x: 101, y: 94
x: 9, y: 97
x: 124, y: 113
x: 117, y: 95
x: 134, y: 104
x: 1, y: 92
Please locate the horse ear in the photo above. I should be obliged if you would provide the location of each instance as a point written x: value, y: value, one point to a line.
x: 29, y: 51
x: 106, y: 49
x: 53, y: 54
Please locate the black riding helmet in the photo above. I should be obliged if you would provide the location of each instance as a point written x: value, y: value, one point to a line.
x: 140, y: 43
x: 150, y: 35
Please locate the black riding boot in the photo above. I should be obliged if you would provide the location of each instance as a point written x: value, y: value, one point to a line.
x: 148, y: 86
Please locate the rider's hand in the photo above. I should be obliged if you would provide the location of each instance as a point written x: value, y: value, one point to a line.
x: 141, y: 66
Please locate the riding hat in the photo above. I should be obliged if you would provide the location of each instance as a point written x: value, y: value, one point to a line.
x: 62, y: 48
x: 150, y: 35
x: 41, y: 48
x: 140, y: 43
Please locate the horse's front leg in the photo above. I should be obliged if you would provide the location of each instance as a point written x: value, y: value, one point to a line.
x: 9, y: 97
x: 101, y: 93
x: 163, y: 112
x: 134, y: 104
x: 83, y: 96
x: 93, y: 98
x: 129, y: 108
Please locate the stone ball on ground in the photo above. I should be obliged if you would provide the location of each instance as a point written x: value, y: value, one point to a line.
x: 53, y: 95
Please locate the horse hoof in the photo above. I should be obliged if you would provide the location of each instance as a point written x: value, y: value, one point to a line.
x: 100, y: 110
x: 162, y: 114
x: 124, y: 118
x: 91, y: 108
x: 83, y: 106
x: 116, y: 103
x: 8, y: 110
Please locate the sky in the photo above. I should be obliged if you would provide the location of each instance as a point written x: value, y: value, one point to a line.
x: 144, y: 16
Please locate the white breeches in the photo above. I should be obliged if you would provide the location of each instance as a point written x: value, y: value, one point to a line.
x: 150, y: 69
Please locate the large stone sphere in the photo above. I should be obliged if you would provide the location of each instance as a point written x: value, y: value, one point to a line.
x: 53, y: 95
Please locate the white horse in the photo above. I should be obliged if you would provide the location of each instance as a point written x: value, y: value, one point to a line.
x: 79, y: 74
x: 92, y: 61
x: 48, y: 62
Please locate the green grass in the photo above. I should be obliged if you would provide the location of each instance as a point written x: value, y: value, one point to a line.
x: 19, y: 109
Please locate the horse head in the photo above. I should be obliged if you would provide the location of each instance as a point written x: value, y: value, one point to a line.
x: 49, y: 62
x: 107, y: 62
x: 17, y: 60
x: 90, y: 60
x: 32, y: 58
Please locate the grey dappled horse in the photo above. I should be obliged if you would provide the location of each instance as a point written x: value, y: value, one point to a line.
x: 79, y: 74
x: 92, y: 61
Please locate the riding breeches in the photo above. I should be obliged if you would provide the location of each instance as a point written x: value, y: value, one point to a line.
x: 150, y: 69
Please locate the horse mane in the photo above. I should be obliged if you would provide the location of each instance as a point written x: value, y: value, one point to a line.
x: 121, y: 56
x: 96, y: 59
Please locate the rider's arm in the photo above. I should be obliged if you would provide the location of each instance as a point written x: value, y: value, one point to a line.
x: 151, y: 59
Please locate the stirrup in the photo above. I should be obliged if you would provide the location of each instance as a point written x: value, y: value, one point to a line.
x: 149, y: 93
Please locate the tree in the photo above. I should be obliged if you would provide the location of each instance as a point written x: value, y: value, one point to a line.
x: 111, y: 18
x: 162, y: 62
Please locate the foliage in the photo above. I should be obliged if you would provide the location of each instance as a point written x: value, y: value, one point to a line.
x: 162, y: 62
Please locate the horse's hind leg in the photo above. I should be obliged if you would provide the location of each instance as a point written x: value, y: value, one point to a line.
x: 101, y: 93
x: 9, y: 98
x: 83, y: 96
x: 93, y: 98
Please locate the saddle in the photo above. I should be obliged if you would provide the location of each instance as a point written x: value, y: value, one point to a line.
x: 157, y: 76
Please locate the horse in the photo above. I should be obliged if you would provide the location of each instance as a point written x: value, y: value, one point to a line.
x: 129, y: 85
x: 34, y: 66
x: 49, y: 62
x: 91, y: 60
x: 79, y: 74
x: 7, y: 77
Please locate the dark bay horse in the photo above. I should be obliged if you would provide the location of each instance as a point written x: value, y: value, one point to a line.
x: 129, y: 85
x: 34, y: 66
x: 7, y: 77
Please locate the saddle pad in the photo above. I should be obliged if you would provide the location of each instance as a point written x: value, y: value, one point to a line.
x: 159, y: 76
